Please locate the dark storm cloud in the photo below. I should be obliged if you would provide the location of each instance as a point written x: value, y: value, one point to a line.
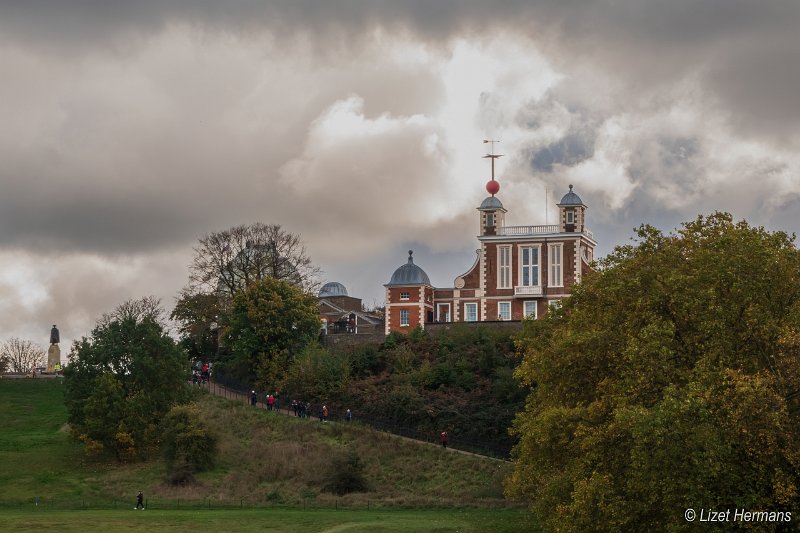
x: 745, y: 52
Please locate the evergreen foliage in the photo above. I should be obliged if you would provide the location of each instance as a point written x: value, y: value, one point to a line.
x: 669, y: 380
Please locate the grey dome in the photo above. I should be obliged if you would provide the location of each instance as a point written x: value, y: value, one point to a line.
x: 409, y: 274
x: 571, y: 198
x: 332, y: 288
x: 491, y: 202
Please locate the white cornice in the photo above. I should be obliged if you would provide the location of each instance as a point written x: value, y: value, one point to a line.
x: 516, y: 239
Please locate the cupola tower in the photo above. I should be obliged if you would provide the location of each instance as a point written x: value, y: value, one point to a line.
x: 492, y: 212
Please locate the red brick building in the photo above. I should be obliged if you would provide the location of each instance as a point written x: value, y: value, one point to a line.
x: 519, y: 271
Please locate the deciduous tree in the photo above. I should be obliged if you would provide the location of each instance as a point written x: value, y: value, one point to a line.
x: 269, y: 323
x: 199, y: 317
x: 122, y: 379
x: 229, y: 261
x: 22, y: 355
x: 669, y: 380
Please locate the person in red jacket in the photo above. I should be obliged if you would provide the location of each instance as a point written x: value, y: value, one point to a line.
x: 443, y: 438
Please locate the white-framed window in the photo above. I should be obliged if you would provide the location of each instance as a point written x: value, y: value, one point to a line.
x: 504, y: 310
x: 471, y: 312
x: 404, y: 317
x: 443, y: 312
x: 404, y: 295
x: 529, y: 266
x: 530, y: 309
x: 504, y: 267
x: 556, y: 271
x: 489, y: 220
x: 554, y: 304
x: 570, y: 216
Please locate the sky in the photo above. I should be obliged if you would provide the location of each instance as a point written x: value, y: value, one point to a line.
x: 128, y: 130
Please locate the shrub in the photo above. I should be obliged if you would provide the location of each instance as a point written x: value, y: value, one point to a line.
x: 346, y: 474
x: 187, y: 444
x: 317, y: 374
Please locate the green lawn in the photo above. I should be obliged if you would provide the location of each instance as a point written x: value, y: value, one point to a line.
x: 36, y: 456
x: 289, y: 521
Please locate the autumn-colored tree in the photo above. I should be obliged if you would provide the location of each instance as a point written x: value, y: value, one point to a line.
x: 268, y: 324
x: 226, y: 263
x: 669, y: 380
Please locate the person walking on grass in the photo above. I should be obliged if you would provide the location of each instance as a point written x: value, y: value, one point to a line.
x: 443, y: 438
x: 139, y: 501
x: 253, y: 398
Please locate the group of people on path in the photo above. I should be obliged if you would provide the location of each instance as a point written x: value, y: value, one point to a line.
x: 299, y: 408
x: 303, y: 410
x: 201, y: 373
x: 271, y: 401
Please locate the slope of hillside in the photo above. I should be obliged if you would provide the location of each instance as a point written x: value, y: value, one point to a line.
x: 264, y: 459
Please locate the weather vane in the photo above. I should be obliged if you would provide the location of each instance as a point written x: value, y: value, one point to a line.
x: 492, y: 155
x: 492, y: 186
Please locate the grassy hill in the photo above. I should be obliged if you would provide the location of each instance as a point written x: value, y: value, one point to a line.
x: 265, y: 459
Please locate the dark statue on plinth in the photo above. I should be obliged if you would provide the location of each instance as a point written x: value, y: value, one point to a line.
x: 54, y: 352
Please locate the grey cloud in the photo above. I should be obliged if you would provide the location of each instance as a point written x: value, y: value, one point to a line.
x: 742, y: 50
x: 569, y: 150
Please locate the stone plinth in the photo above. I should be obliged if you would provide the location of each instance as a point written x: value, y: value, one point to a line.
x: 53, y: 358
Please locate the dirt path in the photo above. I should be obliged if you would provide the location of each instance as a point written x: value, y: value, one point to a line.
x: 231, y: 394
